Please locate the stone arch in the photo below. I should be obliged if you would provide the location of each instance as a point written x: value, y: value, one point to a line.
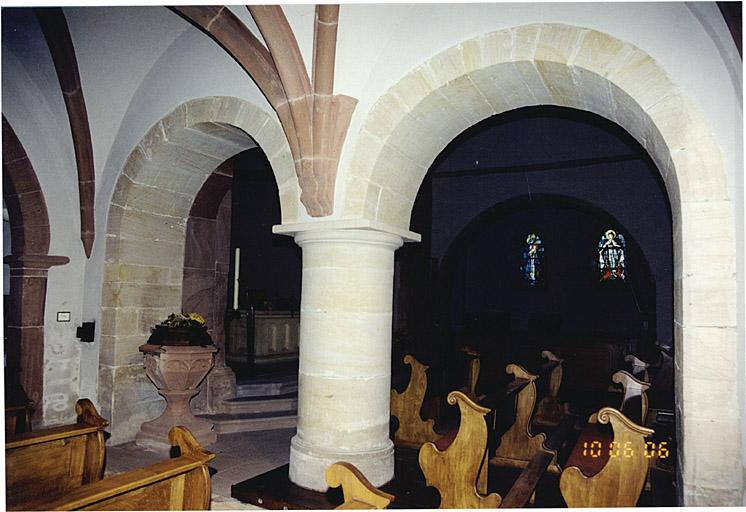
x: 146, y: 229
x: 556, y: 64
x: 29, y: 263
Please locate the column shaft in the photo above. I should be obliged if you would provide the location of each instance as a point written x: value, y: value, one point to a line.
x: 345, y: 355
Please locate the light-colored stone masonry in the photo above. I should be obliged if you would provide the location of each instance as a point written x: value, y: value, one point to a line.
x: 145, y: 238
x: 345, y: 355
x: 585, y: 69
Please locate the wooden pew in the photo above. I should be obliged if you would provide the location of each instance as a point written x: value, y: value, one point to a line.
x: 475, y: 365
x: 182, y: 483
x: 358, y: 492
x: 517, y: 446
x: 621, y: 479
x: 413, y: 431
x: 550, y: 412
x: 634, y: 402
x: 458, y: 467
x: 523, y: 489
x: 57, y: 460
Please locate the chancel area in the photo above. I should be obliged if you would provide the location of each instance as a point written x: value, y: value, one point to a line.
x: 361, y: 256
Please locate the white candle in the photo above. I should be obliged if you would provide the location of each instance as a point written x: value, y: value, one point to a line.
x: 237, y: 265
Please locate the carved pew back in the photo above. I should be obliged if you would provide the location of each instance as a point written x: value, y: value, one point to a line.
x: 55, y: 461
x: 517, y: 445
x: 413, y: 431
x: 549, y: 412
x: 633, y: 388
x: 358, y: 492
x: 638, y: 367
x: 459, y: 471
x: 620, y: 481
x: 182, y: 483
x: 474, y: 366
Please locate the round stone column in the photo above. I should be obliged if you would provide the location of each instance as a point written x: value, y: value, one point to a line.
x: 345, y: 355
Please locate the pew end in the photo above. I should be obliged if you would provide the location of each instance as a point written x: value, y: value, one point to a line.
x: 459, y: 471
x: 406, y: 406
x: 358, y: 492
x: 517, y: 445
x: 621, y: 480
x: 550, y: 411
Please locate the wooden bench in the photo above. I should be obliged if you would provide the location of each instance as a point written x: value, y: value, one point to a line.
x: 358, y: 492
x: 182, y: 483
x: 624, y: 459
x: 413, y: 431
x: 550, y: 412
x: 517, y: 445
x: 458, y: 467
x: 55, y: 461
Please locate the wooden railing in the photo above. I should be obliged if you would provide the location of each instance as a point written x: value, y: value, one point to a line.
x: 262, y: 336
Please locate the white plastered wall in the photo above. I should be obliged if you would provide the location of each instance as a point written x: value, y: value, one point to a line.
x: 33, y: 104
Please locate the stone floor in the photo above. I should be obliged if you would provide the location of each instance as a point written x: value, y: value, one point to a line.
x: 238, y: 456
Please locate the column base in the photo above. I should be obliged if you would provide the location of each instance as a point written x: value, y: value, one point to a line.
x: 154, y: 434
x: 308, y: 464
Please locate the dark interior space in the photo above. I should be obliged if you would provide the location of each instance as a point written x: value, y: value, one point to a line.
x: 568, y: 176
x: 270, y: 268
x: 269, y: 280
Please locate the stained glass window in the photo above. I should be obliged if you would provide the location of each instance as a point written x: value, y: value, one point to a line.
x: 533, y: 260
x: 611, y: 250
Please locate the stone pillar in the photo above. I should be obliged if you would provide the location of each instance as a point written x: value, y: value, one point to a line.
x: 345, y: 355
x: 25, y: 335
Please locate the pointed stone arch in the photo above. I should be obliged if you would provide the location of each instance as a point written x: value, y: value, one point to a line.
x: 146, y: 230
x: 556, y: 64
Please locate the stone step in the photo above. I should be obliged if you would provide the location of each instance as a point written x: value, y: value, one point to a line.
x: 264, y: 404
x: 251, y: 422
x: 267, y: 387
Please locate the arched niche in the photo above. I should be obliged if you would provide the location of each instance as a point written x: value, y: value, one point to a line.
x: 146, y: 233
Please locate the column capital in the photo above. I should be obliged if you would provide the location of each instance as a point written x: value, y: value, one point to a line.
x: 360, y: 226
x: 349, y: 236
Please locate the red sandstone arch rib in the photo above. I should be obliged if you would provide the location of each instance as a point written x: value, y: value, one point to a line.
x: 321, y: 118
x: 24, y: 198
x: 57, y: 35
x: 236, y: 39
x: 331, y: 114
x: 283, y: 47
x: 315, y: 121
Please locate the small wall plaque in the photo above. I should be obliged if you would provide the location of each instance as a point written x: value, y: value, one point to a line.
x: 63, y: 316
